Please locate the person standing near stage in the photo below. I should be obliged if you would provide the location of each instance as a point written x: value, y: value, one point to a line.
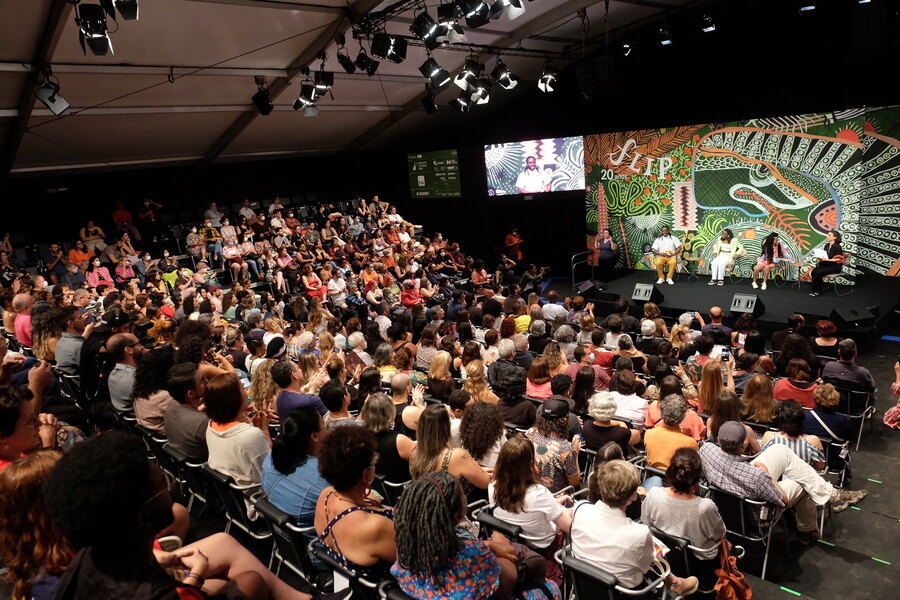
x: 773, y: 252
x: 725, y: 250
x: 666, y: 248
x: 607, y: 252
x: 513, y: 243
x: 532, y: 180
x: 828, y: 266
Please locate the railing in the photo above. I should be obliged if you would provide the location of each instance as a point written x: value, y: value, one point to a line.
x: 576, y: 262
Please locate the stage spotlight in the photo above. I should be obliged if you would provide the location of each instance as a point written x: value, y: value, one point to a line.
x: 807, y: 6
x: 503, y: 76
x: 429, y: 104
x: 463, y: 103
x: 547, y: 82
x: 128, y: 9
x: 307, y: 97
x: 477, y: 12
x: 664, y: 38
x: 427, y: 29
x: 626, y: 48
x: 469, y: 74
x: 311, y: 111
x: 482, y: 92
x: 261, y: 101
x: 513, y: 9
x: 449, y: 13
x: 48, y: 93
x: 324, y: 80
x: 435, y: 73
x: 389, y: 47
x: 346, y: 62
x: 365, y: 63
x: 91, y: 21
x: 707, y: 25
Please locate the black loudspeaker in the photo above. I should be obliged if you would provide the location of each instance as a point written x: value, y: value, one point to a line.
x: 747, y: 303
x: 588, y: 289
x: 647, y: 292
x: 852, y: 316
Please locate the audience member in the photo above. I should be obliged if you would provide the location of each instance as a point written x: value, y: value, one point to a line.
x: 845, y: 372
x: 394, y: 448
x: 184, y: 422
x: 237, y: 445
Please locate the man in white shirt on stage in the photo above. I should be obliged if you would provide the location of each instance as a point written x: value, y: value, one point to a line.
x: 666, y: 248
x: 532, y: 180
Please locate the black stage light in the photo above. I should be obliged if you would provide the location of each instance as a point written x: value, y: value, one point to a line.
x: 48, y: 93
x: 707, y: 25
x: 426, y: 28
x: 482, y: 93
x: 477, y: 12
x: 324, y: 80
x: 365, y: 63
x: 389, y: 47
x: 128, y: 9
x: 469, y: 75
x: 438, y: 76
x: 346, y: 62
x: 547, y: 82
x: 93, y: 32
x: 503, y: 76
x: 463, y: 103
x: 429, y: 104
x: 261, y: 101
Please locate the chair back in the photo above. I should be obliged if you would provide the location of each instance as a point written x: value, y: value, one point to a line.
x: 738, y: 513
x: 679, y: 555
x: 362, y: 587
x: 389, y: 490
x: 189, y: 473
x: 234, y: 498
x: 588, y: 581
x: 490, y: 524
x: 290, y: 539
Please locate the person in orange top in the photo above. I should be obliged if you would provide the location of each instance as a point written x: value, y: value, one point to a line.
x: 663, y: 440
x: 80, y: 255
x: 798, y: 385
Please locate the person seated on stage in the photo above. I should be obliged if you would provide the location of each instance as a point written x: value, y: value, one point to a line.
x: 666, y: 248
x: 845, y: 372
x: 832, y: 264
x: 725, y: 250
x: 773, y: 252
x: 716, y: 329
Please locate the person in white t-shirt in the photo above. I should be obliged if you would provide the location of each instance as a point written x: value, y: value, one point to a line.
x: 521, y: 499
x: 666, y: 248
x: 337, y: 289
x: 532, y: 179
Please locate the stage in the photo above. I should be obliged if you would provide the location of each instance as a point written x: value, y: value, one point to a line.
x: 874, y: 293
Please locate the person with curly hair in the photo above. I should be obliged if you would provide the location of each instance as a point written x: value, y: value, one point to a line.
x: 513, y: 406
x: 151, y: 399
x: 482, y: 433
x: 110, y: 502
x: 794, y: 346
x: 432, y: 562
x: 31, y: 548
x: 352, y: 526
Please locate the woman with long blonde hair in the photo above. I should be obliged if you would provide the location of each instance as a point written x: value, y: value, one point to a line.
x: 555, y: 358
x: 680, y: 338
x: 476, y: 384
x: 33, y: 552
x: 711, y: 385
x: 262, y: 389
x: 440, y: 383
x: 759, y: 399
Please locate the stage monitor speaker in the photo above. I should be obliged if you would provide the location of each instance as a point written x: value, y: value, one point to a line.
x: 589, y: 289
x: 747, y: 303
x: 647, y: 292
x: 857, y: 316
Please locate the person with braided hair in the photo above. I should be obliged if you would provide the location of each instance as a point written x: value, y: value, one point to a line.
x: 432, y: 562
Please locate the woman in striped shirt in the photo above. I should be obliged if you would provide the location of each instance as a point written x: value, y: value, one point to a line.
x: 789, y: 414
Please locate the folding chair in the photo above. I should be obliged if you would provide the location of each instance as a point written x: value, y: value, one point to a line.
x: 291, y: 540
x: 589, y: 582
x: 856, y: 405
x: 234, y: 498
x: 191, y: 474
x: 343, y: 577
x: 741, y: 520
x: 389, y: 490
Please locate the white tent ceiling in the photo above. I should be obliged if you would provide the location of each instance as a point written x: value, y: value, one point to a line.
x: 125, y: 111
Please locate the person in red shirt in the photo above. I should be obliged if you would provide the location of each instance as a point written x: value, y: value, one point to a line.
x: 121, y: 216
x: 410, y: 295
x: 513, y: 244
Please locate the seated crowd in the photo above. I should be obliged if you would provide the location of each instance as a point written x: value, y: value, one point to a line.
x: 362, y: 364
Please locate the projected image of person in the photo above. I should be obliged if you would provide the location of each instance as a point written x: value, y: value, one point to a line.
x: 725, y: 250
x: 666, y: 248
x: 773, y: 252
x: 532, y: 180
x: 830, y: 265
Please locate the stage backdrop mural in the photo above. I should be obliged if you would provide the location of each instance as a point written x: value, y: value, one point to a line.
x: 799, y: 176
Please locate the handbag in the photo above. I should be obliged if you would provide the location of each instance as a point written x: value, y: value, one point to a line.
x: 531, y: 568
x: 731, y: 584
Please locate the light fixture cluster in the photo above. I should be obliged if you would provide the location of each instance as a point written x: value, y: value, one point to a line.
x: 476, y: 86
x: 93, y: 31
x: 313, y: 88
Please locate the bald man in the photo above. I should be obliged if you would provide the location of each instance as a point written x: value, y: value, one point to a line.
x: 127, y: 350
x: 720, y: 333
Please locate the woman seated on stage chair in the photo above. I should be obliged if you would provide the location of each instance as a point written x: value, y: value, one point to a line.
x: 773, y: 252
x: 830, y: 265
x: 725, y: 250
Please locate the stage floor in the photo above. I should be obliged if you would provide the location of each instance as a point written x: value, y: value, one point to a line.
x: 780, y: 302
